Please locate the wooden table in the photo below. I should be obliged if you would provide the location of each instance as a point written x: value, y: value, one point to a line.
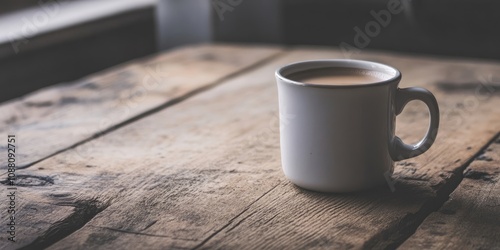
x: 181, y: 150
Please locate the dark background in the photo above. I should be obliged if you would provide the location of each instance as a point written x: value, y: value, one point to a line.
x: 446, y: 27
x: 456, y: 28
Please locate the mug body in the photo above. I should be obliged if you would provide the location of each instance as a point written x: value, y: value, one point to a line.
x: 337, y: 138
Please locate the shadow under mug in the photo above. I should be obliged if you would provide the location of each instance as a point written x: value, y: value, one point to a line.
x: 340, y: 138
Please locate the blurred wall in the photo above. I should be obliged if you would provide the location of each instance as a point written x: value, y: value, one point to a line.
x: 183, y: 22
x: 445, y: 27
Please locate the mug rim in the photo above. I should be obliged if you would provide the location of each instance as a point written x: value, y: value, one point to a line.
x: 338, y: 63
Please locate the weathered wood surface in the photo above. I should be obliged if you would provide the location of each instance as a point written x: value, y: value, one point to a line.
x: 470, y: 219
x: 71, y: 113
x: 205, y: 173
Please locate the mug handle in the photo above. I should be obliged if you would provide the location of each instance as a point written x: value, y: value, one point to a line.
x: 400, y: 150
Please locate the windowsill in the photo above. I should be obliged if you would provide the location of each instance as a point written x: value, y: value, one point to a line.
x: 20, y: 30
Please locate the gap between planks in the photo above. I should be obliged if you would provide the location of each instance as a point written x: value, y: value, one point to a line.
x: 234, y: 218
x: 165, y: 105
x: 394, y: 236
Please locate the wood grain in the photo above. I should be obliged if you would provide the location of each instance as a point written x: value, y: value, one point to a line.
x: 74, y: 112
x: 205, y: 173
x: 470, y: 219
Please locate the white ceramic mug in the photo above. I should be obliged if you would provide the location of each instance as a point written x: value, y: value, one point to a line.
x: 340, y: 138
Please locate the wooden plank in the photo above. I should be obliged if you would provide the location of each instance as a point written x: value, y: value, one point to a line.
x: 206, y: 173
x: 470, y: 218
x: 71, y: 113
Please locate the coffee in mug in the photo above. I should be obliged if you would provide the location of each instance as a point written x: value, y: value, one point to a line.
x: 337, y: 76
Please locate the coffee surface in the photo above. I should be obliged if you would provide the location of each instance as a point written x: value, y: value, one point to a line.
x: 338, y: 76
